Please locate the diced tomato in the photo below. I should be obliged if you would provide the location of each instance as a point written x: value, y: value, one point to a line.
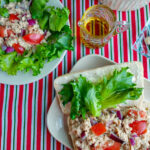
x: 135, y: 113
x: 13, y: 17
x: 139, y: 127
x: 33, y: 38
x: 142, y: 114
x: 95, y: 148
x: 18, y: 48
x: 115, y: 146
x: 98, y: 129
x: 2, y: 31
x: 10, y: 32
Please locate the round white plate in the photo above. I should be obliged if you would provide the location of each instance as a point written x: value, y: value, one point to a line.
x: 25, y: 78
x: 56, y: 120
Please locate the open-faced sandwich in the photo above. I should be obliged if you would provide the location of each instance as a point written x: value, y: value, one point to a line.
x: 105, y: 108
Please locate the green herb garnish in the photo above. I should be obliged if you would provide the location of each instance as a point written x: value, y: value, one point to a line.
x: 90, y: 98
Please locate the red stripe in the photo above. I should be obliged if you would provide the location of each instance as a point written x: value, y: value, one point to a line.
x: 133, y: 29
x: 39, y: 114
x: 49, y: 101
x: 142, y: 14
x: 78, y: 29
x: 69, y: 53
x: 86, y: 7
x: 60, y: 69
x: 2, y: 87
x: 58, y: 145
x: 97, y: 51
x: 115, y: 40
x: 19, y: 123
x: 96, y: 2
x: 69, y: 60
x: 145, y: 67
x: 29, y: 119
x: 106, y: 49
x: 125, y: 44
x: 9, y: 117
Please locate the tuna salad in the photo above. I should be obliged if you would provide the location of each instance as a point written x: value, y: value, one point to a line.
x: 19, y: 31
x: 31, y: 34
x: 122, y: 128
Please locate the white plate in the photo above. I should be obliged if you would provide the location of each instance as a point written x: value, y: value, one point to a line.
x: 25, y: 78
x: 55, y: 118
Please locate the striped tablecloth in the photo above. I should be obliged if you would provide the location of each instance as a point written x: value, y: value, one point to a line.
x: 23, y: 108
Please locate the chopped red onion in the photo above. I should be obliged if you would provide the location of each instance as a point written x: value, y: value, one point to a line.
x: 45, y: 32
x: 116, y: 138
x: 134, y: 135
x: 93, y: 122
x: 24, y: 15
x: 9, y: 49
x: 4, y: 47
x: 119, y: 114
x: 83, y: 135
x: 93, y: 145
x: 31, y: 22
x: 132, y: 141
x: 23, y: 32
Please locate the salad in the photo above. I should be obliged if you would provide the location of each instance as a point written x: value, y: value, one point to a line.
x: 32, y: 33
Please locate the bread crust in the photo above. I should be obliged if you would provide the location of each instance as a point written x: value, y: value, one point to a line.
x: 135, y: 68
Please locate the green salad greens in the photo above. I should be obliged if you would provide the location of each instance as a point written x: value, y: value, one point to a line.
x: 50, y: 19
x: 4, y: 12
x: 90, y: 98
x: 58, y: 42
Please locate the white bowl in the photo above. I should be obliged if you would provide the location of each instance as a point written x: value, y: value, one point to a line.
x: 25, y: 78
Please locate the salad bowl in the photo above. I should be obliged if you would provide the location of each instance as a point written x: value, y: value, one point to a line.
x: 24, y: 78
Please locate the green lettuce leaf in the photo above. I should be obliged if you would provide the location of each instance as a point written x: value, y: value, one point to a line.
x: 121, y: 97
x: 58, y: 18
x: 7, y: 62
x: 37, y: 8
x: 90, y: 98
x: 4, y: 12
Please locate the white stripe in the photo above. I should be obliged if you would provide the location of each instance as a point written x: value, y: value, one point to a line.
x: 130, y: 35
x: 4, y: 118
x: 24, y: 118
x: 32, y: 128
x: 46, y: 100
x: 52, y: 139
x: 43, y: 113
x: 14, y: 136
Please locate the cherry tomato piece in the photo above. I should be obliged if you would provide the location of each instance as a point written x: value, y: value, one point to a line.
x: 135, y: 113
x: 18, y: 48
x: 115, y: 146
x: 98, y: 129
x: 33, y: 38
x: 13, y: 17
x: 139, y: 127
x: 2, y: 31
x: 10, y: 32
